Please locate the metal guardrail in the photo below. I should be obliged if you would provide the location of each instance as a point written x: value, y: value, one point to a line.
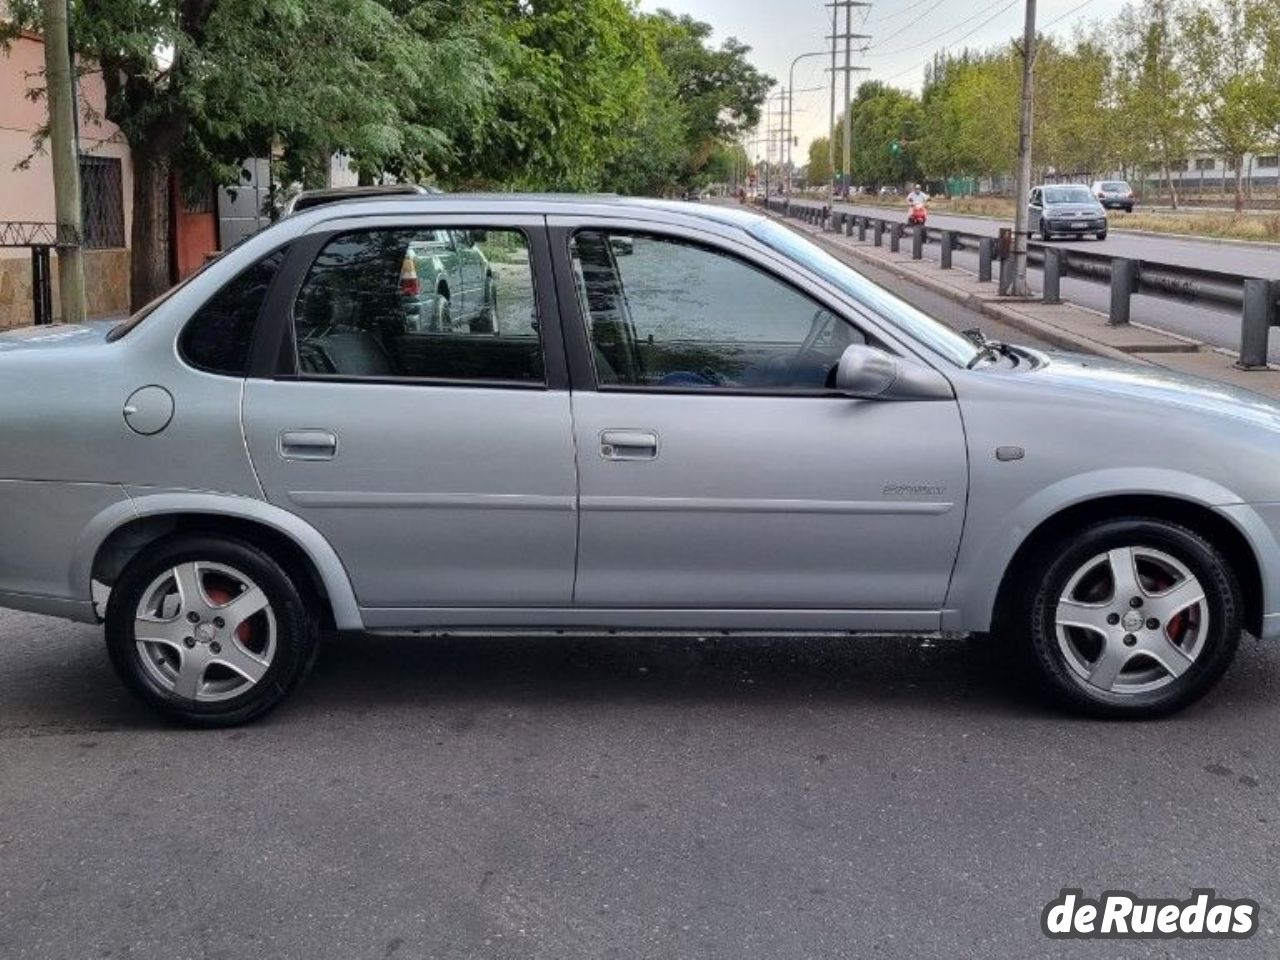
x: 1255, y: 299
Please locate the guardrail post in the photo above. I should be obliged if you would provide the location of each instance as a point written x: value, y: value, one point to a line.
x: 1257, y: 318
x: 1053, y: 275
x: 895, y: 238
x: 1124, y: 280
x: 848, y: 224
x: 877, y: 235
x: 862, y: 229
x: 986, y: 253
x: 917, y: 242
x: 948, y: 238
x: 1006, y: 275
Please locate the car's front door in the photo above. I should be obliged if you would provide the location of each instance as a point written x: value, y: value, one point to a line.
x: 719, y: 470
x: 439, y: 464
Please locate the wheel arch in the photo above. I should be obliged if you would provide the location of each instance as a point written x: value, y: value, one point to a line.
x: 1212, y: 524
x: 119, y: 533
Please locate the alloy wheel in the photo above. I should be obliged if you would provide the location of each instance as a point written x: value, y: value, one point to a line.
x: 1131, y: 620
x: 205, y: 631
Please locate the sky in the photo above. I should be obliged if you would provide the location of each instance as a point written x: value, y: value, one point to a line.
x: 904, y: 36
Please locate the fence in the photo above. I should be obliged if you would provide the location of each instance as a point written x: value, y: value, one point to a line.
x: 1256, y: 300
x: 41, y: 239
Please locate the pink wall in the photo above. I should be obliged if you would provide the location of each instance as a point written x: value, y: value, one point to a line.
x: 28, y: 194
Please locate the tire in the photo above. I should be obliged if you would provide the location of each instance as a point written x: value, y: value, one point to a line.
x: 214, y: 672
x: 1102, y: 235
x: 1095, y: 648
x: 486, y: 321
x: 442, y: 312
x: 1045, y: 235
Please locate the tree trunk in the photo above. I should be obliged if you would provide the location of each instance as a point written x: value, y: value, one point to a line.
x: 1239, y: 184
x: 149, y: 237
x: 1168, y: 178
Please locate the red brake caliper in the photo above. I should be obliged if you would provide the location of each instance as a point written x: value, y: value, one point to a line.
x: 218, y: 595
x: 1176, y: 627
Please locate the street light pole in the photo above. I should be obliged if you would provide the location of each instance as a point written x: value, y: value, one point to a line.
x: 1022, y: 182
x: 791, y: 85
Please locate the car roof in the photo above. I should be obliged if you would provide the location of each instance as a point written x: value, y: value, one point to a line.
x: 548, y: 204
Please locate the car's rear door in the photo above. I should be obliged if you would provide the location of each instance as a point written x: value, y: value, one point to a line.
x: 438, y: 464
x: 717, y: 469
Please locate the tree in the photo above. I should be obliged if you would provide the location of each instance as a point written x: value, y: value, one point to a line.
x: 719, y: 92
x: 1151, y: 89
x: 204, y: 84
x: 1230, y: 92
x: 819, y: 161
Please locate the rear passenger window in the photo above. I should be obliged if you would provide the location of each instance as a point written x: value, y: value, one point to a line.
x: 416, y: 303
x: 218, y: 337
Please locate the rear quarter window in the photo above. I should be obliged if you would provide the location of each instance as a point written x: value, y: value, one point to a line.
x: 220, y: 335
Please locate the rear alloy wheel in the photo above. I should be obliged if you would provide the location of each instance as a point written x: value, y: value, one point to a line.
x: 1134, y: 618
x: 209, y: 632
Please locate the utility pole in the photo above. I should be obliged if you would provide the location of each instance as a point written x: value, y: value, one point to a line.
x: 1022, y: 182
x: 61, y: 97
x: 846, y: 165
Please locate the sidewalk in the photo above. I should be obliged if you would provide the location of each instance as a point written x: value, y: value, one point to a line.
x: 1064, y: 325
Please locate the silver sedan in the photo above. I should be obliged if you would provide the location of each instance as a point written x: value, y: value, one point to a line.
x: 683, y: 418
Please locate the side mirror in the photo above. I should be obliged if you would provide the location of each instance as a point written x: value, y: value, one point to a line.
x: 869, y: 373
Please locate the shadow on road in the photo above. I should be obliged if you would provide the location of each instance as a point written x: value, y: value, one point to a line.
x: 63, y: 682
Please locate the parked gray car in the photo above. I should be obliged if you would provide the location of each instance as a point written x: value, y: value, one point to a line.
x: 1066, y: 209
x: 724, y: 430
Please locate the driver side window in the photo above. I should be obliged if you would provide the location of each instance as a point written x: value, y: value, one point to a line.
x: 668, y: 314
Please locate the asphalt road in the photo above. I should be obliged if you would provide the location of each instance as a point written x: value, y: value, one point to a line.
x: 1213, y: 326
x: 591, y: 798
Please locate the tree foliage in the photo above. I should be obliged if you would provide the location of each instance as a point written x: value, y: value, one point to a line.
x: 518, y: 94
x: 1166, y: 79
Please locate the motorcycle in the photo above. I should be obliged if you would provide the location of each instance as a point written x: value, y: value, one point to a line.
x: 917, y: 215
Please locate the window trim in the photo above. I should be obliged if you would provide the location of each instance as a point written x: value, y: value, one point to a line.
x: 276, y: 358
x: 578, y: 344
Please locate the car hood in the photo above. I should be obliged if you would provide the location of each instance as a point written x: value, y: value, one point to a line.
x: 1178, y: 393
x: 56, y: 336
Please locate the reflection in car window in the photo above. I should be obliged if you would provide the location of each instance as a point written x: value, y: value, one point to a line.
x: 664, y: 313
x: 218, y: 337
x: 418, y: 303
x: 915, y: 324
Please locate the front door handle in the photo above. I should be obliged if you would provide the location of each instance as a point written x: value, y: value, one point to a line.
x: 308, y: 445
x: 628, y: 445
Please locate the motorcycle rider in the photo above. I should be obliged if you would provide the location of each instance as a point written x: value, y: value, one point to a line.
x: 917, y: 197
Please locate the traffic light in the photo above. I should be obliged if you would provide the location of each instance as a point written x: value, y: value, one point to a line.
x: 895, y: 148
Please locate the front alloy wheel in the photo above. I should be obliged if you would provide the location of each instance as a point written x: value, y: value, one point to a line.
x: 210, y: 632
x: 1133, y: 617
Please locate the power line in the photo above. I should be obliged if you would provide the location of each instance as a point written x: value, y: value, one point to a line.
x: 953, y: 27
x: 1076, y: 9
x: 897, y: 13
x: 1006, y: 7
x: 906, y: 26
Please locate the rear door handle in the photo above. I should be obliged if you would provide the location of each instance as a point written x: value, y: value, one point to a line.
x: 308, y: 445
x: 628, y: 445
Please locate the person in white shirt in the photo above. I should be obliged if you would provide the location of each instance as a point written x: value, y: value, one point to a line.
x: 917, y: 196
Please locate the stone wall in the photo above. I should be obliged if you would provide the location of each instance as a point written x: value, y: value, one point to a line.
x: 106, y: 280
